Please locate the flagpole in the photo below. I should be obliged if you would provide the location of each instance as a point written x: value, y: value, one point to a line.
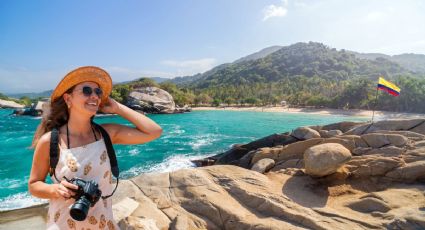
x: 374, y: 107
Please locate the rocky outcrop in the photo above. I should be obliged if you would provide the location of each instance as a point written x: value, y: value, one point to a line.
x: 230, y: 197
x: 153, y: 100
x: 413, y: 125
x: 10, y: 104
x: 304, y: 133
x: 370, y: 180
x: 325, y: 159
x: 263, y: 165
x: 339, y: 180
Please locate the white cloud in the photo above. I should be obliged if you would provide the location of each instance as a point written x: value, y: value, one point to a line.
x: 272, y: 10
x: 374, y: 16
x: 190, y: 67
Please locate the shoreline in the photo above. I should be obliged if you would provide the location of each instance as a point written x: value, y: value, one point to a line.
x: 324, y: 111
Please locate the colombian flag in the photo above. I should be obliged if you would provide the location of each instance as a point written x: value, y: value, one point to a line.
x: 388, y: 87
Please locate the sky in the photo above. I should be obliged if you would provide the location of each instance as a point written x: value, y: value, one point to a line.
x: 41, y: 41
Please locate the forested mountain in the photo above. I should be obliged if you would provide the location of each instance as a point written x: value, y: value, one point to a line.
x: 412, y: 62
x: 301, y: 59
x: 308, y: 74
x: 260, y: 54
x: 186, y: 80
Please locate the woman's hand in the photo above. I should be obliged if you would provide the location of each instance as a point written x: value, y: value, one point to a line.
x: 64, y: 189
x: 111, y: 106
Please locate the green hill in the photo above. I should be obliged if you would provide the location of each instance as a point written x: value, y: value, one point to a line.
x: 309, y: 74
x: 301, y: 59
x: 412, y: 62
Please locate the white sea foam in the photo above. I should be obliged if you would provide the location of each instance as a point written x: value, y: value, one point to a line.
x: 203, y: 140
x: 19, y: 200
x: 12, y: 183
x: 134, y: 152
x: 170, y: 164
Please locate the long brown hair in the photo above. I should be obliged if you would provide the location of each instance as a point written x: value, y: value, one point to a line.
x: 55, y: 116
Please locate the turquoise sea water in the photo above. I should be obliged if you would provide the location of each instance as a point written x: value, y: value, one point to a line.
x: 186, y: 136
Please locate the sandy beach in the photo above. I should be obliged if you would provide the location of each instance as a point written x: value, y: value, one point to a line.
x: 352, y: 112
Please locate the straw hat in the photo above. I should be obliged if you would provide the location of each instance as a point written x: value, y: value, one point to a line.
x: 83, y: 74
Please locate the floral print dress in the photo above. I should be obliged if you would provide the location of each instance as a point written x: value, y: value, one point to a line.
x: 88, y: 162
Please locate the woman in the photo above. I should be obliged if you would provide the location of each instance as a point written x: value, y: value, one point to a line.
x: 74, y: 102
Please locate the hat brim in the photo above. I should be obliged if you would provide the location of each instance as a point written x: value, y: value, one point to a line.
x: 84, y: 74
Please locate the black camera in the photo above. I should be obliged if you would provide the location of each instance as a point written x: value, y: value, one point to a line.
x: 86, y: 196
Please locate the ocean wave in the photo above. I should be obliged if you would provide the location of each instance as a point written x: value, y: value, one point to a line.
x: 170, y: 164
x: 19, y: 200
x: 134, y: 152
x: 203, y: 140
x: 13, y: 183
x: 177, y: 131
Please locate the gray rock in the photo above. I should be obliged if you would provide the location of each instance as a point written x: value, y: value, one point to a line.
x: 369, y: 204
x: 408, y: 173
x: 263, y: 165
x: 377, y: 140
x: 388, y: 151
x: 330, y: 133
x: 414, y: 125
x: 343, y: 126
x: 151, y: 100
x: 305, y: 133
x: 262, y: 153
x: 325, y: 159
x: 367, y: 166
x: 233, y: 155
x: 293, y: 163
x: 361, y: 151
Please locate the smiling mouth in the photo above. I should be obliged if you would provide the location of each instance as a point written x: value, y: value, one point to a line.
x: 92, y: 104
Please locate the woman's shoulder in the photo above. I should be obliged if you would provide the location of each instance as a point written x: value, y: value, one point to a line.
x: 45, y: 138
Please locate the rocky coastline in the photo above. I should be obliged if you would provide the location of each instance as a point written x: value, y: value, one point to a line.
x: 345, y: 175
x: 150, y: 100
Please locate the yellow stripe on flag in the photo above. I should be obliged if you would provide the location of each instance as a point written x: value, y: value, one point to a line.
x: 388, y: 84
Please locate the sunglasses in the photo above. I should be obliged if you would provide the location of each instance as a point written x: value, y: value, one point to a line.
x: 87, y: 91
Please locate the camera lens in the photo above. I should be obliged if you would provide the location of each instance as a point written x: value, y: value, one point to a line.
x: 80, y: 209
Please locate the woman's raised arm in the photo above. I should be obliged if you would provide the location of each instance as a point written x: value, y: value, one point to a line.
x: 146, y: 129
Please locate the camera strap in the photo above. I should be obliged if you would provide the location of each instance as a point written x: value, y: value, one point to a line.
x: 54, y: 154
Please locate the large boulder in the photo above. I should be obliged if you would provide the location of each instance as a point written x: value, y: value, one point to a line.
x: 304, y: 133
x: 330, y: 133
x: 377, y: 140
x: 151, y: 100
x: 263, y: 165
x: 325, y: 159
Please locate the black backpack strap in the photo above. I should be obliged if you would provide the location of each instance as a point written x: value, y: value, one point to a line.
x: 54, y: 150
x: 110, y: 149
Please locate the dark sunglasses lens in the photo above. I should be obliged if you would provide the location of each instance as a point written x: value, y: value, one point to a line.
x: 98, y: 91
x: 87, y: 91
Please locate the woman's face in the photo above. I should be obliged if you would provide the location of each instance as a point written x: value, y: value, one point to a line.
x: 80, y: 101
